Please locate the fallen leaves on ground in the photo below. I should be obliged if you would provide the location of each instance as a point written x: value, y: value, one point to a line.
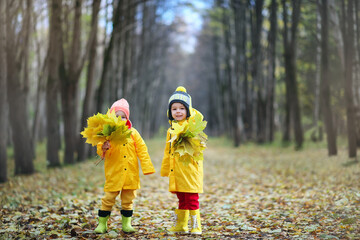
x: 250, y: 192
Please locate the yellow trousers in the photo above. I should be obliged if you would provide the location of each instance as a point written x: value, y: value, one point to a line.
x: 127, y: 197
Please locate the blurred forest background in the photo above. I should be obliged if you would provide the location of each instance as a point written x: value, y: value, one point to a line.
x: 259, y: 71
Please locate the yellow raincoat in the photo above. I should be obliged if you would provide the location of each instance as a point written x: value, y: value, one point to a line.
x: 183, y: 177
x: 122, y: 166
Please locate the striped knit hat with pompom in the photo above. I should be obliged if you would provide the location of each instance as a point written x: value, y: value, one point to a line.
x: 180, y: 96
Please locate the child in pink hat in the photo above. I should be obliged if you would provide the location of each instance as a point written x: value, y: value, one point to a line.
x: 123, y: 106
x: 122, y: 171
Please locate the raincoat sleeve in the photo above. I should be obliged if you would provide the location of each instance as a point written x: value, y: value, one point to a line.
x: 143, y: 155
x: 165, y: 166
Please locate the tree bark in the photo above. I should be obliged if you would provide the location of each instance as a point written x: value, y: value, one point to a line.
x: 3, y: 96
x: 69, y: 77
x: 246, y: 111
x: 315, y: 135
x: 290, y: 71
x: 27, y: 22
x: 270, y: 111
x: 348, y: 36
x: 219, y: 99
x: 325, y: 83
x: 52, y: 87
x: 240, y: 59
x: 130, y: 12
x: 230, y: 87
x: 104, y: 81
x: 70, y: 71
x: 38, y: 125
x: 90, y: 84
x: 287, y: 120
x: 337, y: 28
x: 21, y: 138
x: 259, y: 107
x: 357, y: 75
x: 118, y: 63
x: 219, y: 75
x: 149, y: 70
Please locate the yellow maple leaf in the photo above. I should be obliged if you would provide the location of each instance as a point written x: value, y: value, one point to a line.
x: 102, y: 127
x: 196, y: 124
x: 189, y: 139
x: 120, y: 135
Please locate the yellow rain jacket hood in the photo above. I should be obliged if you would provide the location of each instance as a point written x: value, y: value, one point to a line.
x: 183, y: 177
x: 121, y: 163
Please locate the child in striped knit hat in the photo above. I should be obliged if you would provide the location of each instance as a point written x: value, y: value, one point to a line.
x: 185, y: 179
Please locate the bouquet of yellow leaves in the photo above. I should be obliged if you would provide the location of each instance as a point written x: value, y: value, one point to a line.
x: 189, y: 138
x: 106, y: 127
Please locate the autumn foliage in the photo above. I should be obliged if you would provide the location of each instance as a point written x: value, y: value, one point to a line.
x: 103, y: 127
x: 189, y: 138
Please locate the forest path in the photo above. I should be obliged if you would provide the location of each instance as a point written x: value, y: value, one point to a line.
x: 250, y: 192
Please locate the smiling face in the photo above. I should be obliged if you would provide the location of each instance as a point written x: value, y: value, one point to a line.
x: 122, y: 114
x: 178, y: 111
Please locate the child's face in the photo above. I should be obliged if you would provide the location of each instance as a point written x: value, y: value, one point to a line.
x: 122, y: 114
x: 178, y: 111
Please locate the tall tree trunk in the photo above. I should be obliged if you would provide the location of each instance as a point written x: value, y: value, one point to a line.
x: 41, y: 75
x: 118, y: 63
x: 257, y: 76
x: 221, y: 85
x: 27, y: 22
x: 104, y: 81
x: 337, y: 28
x: 52, y: 87
x: 3, y: 96
x: 230, y: 88
x: 69, y: 77
x: 90, y: 84
x: 149, y: 72
x: 315, y: 135
x: 240, y: 57
x: 325, y: 83
x: 145, y: 56
x: 246, y: 111
x: 133, y: 45
x: 21, y: 138
x: 270, y: 112
x: 153, y: 79
x: 290, y: 70
x: 39, y: 113
x: 348, y: 36
x: 287, y: 120
x: 141, y: 61
x: 219, y: 103
x: 126, y: 71
x: 70, y: 71
x: 357, y: 77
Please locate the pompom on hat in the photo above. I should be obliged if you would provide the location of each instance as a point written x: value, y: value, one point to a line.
x: 123, y: 106
x: 180, y: 96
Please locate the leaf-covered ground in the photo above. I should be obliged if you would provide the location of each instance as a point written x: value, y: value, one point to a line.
x: 250, y: 192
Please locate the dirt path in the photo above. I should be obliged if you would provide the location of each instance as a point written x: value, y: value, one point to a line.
x: 250, y: 193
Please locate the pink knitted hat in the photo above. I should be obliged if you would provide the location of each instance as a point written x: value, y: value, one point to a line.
x: 122, y: 105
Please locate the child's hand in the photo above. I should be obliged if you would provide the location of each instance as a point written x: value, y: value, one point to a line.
x: 106, y: 146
